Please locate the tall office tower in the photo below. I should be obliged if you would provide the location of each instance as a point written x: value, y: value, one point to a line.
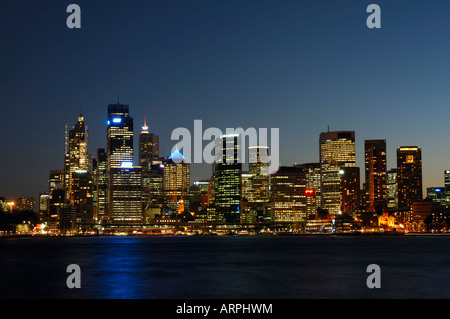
x: 259, y: 201
x: 392, y: 194
x: 248, y: 213
x: 447, y: 186
x: 176, y: 183
x: 227, y: 170
x: 119, y: 161
x: 76, y: 157
x: 312, y: 191
x: 337, y: 151
x: 288, y: 192
x: 125, y: 196
x: 153, y: 185
x: 83, y: 197
x: 409, y: 176
x: 375, y: 162
x: 152, y: 168
x: 101, y: 186
x: 148, y: 147
x: 55, y: 180
x: 120, y: 136
x: 259, y: 169
x: 350, y: 189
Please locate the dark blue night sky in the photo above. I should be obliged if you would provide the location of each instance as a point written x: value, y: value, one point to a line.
x: 295, y: 65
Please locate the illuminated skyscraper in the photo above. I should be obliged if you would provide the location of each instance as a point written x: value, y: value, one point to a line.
x: 148, y: 147
x: 76, y: 157
x: 409, y: 176
x: 337, y: 151
x: 176, y: 183
x: 259, y: 198
x: 288, y: 192
x: 119, y: 135
x: 375, y: 169
x: 82, y: 196
x: 350, y: 189
x: 101, y: 185
x: 152, y: 168
x: 124, y: 179
x: 227, y: 171
x: 125, y: 196
x: 312, y: 184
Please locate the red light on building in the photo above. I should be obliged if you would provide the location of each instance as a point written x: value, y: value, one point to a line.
x: 309, y: 192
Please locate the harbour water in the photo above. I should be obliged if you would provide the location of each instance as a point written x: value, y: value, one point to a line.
x: 218, y: 267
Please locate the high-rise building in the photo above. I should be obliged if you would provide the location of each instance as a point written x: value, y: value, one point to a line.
x: 259, y: 198
x: 248, y: 214
x: 119, y: 135
x: 125, y: 196
x: 409, y: 176
x: 288, y: 192
x: 76, y: 157
x: 337, y: 151
x: 83, y: 197
x: 350, y: 189
x: 153, y: 185
x: 375, y: 169
x: 148, y: 147
x: 177, y: 183
x: 124, y: 180
x: 227, y: 171
x: 312, y: 191
x: 101, y: 186
x: 392, y: 189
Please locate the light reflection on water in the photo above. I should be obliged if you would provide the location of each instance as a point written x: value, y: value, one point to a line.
x: 225, y: 267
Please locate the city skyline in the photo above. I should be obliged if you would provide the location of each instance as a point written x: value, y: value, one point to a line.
x: 299, y: 67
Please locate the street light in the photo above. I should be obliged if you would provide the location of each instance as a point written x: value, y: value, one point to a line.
x: 11, y: 205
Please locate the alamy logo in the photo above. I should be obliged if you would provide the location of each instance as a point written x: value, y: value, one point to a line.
x: 235, y: 145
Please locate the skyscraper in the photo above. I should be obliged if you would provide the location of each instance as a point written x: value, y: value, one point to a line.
x: 375, y: 169
x: 152, y: 168
x: 350, y: 189
x: 124, y: 179
x: 227, y: 171
x: 148, y: 147
x: 176, y: 183
x: 337, y: 150
x: 259, y: 198
x: 76, y: 157
x: 409, y: 176
x: 101, y: 185
x: 125, y: 196
x: 288, y: 192
x: 82, y: 197
x: 312, y: 191
x: 119, y: 135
